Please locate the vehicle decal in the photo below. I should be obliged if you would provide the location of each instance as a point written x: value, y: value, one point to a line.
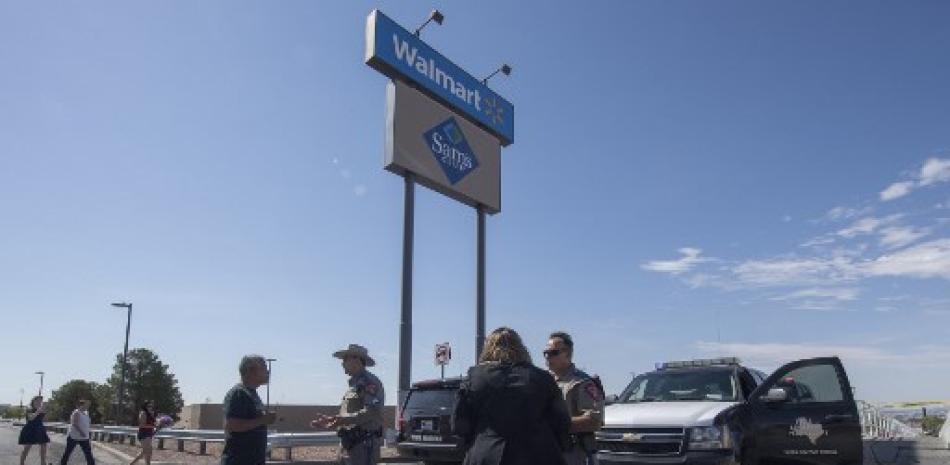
x: 804, y: 427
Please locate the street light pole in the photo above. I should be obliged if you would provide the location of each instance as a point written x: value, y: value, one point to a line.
x: 41, y: 381
x: 125, y: 353
x: 269, y: 373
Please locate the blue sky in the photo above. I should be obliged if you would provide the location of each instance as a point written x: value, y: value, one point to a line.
x: 762, y: 179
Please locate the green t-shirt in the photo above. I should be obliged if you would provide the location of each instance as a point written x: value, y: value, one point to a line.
x: 249, y: 447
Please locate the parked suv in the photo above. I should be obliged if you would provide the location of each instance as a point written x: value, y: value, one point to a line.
x: 718, y: 412
x: 424, y: 423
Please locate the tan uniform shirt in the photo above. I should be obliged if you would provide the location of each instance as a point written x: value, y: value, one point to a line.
x: 583, y: 397
x: 363, y: 403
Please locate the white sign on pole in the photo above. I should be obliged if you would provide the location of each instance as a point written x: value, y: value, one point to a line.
x: 445, y: 151
x: 443, y: 353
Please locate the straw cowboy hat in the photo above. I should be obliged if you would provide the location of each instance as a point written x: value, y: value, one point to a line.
x: 358, y: 351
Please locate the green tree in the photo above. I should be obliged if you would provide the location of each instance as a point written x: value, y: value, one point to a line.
x: 13, y: 411
x: 64, y: 400
x: 931, y: 425
x: 146, y: 378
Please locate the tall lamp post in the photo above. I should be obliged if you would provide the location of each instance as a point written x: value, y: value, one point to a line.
x: 125, y: 354
x: 41, y: 381
x: 269, y: 373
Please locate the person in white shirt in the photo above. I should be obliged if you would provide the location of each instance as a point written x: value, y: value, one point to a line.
x: 79, y: 424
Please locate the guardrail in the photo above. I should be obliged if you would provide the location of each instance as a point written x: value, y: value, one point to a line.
x: 275, y: 441
x: 875, y: 425
x: 945, y: 433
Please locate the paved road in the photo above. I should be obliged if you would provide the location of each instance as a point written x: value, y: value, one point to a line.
x: 926, y: 451
x: 10, y: 451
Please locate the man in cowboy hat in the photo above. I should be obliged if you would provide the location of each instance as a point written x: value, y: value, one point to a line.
x: 360, y: 422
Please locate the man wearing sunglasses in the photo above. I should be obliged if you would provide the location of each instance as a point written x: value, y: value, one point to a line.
x: 583, y: 395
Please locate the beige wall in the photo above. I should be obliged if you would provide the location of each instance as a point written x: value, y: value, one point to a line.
x: 289, y: 417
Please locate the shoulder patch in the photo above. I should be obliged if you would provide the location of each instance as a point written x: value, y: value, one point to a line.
x: 592, y: 391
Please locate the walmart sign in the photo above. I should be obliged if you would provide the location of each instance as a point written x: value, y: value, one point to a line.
x: 396, y: 52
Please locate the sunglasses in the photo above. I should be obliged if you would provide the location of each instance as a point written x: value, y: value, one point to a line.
x: 552, y: 352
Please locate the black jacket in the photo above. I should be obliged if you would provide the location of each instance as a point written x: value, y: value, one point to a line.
x: 512, y: 414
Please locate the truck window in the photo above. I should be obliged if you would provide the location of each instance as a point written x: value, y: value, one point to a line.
x: 682, y: 385
x: 747, y: 381
x: 812, y: 383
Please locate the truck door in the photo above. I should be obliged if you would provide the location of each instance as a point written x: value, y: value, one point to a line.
x: 804, y: 414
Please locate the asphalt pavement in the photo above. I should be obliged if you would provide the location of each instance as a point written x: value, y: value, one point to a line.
x: 10, y: 450
x: 925, y: 451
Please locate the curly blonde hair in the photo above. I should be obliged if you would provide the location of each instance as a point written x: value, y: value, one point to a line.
x: 504, y: 345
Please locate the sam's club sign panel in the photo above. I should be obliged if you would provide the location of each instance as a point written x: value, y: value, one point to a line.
x: 446, y: 152
x: 392, y: 50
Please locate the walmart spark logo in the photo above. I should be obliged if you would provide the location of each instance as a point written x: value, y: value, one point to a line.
x: 494, y: 111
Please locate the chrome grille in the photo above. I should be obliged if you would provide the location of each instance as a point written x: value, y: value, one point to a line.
x: 642, y: 441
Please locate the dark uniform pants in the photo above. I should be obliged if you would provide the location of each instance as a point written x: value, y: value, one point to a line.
x: 84, y: 445
x: 364, y: 453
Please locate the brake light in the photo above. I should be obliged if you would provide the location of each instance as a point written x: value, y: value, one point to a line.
x: 400, y: 422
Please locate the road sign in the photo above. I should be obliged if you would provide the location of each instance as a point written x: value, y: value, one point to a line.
x: 446, y: 152
x: 399, y: 54
x: 443, y: 353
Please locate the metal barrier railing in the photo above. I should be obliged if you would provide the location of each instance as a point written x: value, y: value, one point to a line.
x: 285, y: 441
x: 876, y: 425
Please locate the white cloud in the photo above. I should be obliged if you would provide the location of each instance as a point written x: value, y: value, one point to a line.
x: 926, y: 260
x: 833, y: 293
x: 819, y: 241
x: 786, y: 218
x: 897, y: 190
x: 360, y: 190
x: 774, y: 354
x: 691, y: 257
x: 846, y: 213
x: 867, y: 225
x: 900, y: 236
x: 794, y: 271
x: 933, y: 171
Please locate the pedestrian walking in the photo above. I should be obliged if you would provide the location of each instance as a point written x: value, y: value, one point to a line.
x: 583, y: 397
x: 147, y: 430
x: 508, y: 410
x: 360, y: 421
x: 78, y: 434
x: 34, y: 431
x: 245, y: 420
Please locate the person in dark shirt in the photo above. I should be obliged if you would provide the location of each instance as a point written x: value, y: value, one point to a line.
x: 245, y: 420
x: 34, y: 432
x: 509, y: 411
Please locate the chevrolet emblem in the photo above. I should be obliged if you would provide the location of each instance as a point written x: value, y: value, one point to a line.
x: 631, y: 437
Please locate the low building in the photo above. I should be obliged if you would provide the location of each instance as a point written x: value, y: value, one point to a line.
x: 290, y: 418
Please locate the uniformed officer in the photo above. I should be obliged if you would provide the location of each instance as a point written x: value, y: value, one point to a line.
x: 360, y: 422
x: 585, y: 401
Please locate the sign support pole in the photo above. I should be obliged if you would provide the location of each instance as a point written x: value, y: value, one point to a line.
x: 405, y: 321
x: 480, y: 285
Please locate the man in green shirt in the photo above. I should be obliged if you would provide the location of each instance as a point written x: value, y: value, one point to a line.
x: 245, y: 420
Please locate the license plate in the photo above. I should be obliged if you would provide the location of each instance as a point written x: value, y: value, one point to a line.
x: 425, y: 437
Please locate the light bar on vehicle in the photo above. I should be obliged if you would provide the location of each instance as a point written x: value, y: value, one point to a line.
x: 704, y: 362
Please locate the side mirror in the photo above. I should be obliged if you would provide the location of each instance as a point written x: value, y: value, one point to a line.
x: 775, y: 395
x: 611, y: 399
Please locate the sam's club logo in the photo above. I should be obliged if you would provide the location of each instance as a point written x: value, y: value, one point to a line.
x: 451, y: 150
